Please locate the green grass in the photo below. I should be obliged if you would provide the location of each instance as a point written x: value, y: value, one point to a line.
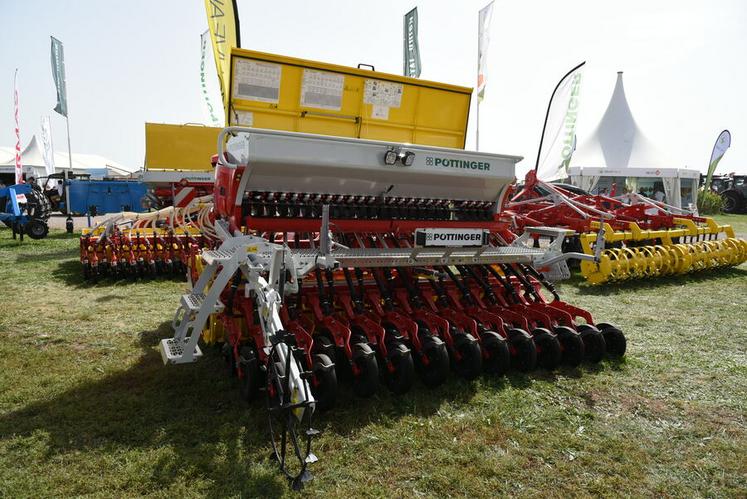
x: 739, y: 222
x: 87, y: 408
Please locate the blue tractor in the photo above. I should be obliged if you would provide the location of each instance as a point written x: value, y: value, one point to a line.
x: 25, y: 210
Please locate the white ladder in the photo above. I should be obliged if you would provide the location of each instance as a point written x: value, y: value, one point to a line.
x: 196, y: 307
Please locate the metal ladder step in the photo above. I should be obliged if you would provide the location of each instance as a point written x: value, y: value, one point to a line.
x: 217, y: 256
x: 193, y: 302
x: 172, y: 352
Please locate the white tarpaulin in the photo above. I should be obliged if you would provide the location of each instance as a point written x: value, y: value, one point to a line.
x: 559, y: 133
x: 34, y: 164
x: 672, y: 191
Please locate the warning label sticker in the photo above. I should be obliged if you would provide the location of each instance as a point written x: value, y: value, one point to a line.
x: 379, y: 112
x: 322, y: 90
x: 383, y: 93
x: 245, y: 118
x: 258, y: 81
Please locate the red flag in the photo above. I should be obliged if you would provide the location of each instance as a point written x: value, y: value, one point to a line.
x: 19, y: 168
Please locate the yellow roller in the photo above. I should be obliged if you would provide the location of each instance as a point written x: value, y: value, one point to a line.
x: 626, y: 260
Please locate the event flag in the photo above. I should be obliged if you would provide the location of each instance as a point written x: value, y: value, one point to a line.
x: 483, y: 39
x: 208, y: 82
x: 559, y: 131
x: 223, y: 22
x: 47, y: 146
x: 411, y: 57
x: 19, y: 167
x: 58, y: 72
x: 719, y: 148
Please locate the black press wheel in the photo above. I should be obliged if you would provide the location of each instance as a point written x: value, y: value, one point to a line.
x: 322, y: 344
x: 522, y: 349
x: 365, y: 370
x: 498, y: 357
x: 402, y: 373
x: 434, y: 370
x: 467, y: 356
x: 594, y: 345
x: 614, y: 340
x: 572, y: 345
x: 324, y: 385
x: 549, y: 351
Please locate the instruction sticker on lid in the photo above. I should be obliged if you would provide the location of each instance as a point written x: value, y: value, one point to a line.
x: 258, y: 81
x: 322, y: 90
x: 383, y: 93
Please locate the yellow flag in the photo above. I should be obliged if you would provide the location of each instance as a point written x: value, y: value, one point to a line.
x: 223, y: 21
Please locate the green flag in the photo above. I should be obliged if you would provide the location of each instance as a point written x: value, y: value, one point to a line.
x: 411, y: 58
x: 58, y: 72
x: 719, y: 148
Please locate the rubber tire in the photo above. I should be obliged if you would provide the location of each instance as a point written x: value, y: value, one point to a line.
x: 366, y: 382
x: 470, y: 366
x: 731, y: 202
x: 400, y: 381
x: 324, y: 345
x: 549, y: 351
x: 325, y: 392
x: 614, y: 339
x: 437, y: 370
x: 249, y: 366
x: 37, y: 229
x: 524, y: 351
x: 572, y: 344
x: 499, y: 356
x: 594, y: 346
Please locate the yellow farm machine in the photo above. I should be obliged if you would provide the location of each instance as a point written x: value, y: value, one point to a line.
x: 643, y: 237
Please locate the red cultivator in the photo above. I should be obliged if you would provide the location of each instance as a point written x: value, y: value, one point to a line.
x: 644, y: 238
x: 137, y: 245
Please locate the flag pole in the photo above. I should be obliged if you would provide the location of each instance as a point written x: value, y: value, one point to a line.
x: 70, y: 167
x: 477, y: 115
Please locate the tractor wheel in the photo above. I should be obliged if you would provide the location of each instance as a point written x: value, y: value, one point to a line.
x: 366, y: 380
x: 572, y: 345
x: 614, y: 339
x: 37, y: 229
x: 523, y: 350
x: 731, y: 201
x: 549, y: 351
x: 401, y: 378
x: 437, y: 370
x: 468, y: 356
x: 594, y: 346
x: 249, y: 366
x: 499, y: 357
x: 324, y: 386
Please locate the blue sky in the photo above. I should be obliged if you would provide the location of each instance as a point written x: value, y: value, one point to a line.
x: 136, y: 61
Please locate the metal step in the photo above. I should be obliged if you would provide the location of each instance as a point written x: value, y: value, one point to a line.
x: 193, y: 302
x: 217, y: 256
x: 408, y: 257
x: 172, y: 352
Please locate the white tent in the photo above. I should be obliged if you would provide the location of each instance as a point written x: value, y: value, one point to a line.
x: 32, y: 158
x: 618, y: 152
